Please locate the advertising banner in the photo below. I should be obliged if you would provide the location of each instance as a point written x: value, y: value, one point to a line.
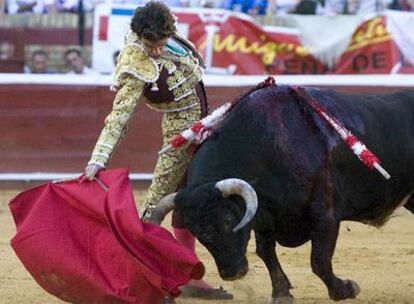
x: 373, y: 50
x: 234, y: 44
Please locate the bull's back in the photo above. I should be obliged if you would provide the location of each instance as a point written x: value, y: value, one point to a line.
x: 385, y: 124
x: 388, y: 117
x: 279, y: 143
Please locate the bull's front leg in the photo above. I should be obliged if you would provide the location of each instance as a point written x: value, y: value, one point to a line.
x: 265, y: 249
x: 410, y: 204
x: 323, y: 236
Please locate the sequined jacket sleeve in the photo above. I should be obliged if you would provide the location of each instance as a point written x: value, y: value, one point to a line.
x: 129, y: 92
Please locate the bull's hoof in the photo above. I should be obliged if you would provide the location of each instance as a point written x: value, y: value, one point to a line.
x: 189, y: 291
x: 347, y: 290
x: 282, y: 300
x: 167, y: 300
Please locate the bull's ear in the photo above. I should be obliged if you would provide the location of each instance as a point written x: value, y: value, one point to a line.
x: 253, y: 182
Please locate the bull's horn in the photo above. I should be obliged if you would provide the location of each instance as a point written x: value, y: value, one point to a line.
x: 239, y: 187
x: 160, y: 210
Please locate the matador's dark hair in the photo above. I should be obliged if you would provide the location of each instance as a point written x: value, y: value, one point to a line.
x: 154, y: 21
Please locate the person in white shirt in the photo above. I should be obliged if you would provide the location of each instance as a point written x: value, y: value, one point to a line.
x: 70, y: 6
x: 334, y: 7
x: 169, y: 3
x: 25, y: 6
x: 363, y: 8
x: 38, y: 63
x: 2, y: 7
x: 75, y: 61
x: 282, y: 7
x: 368, y: 7
x: 7, y: 50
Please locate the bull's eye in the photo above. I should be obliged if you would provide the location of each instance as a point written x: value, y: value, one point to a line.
x: 228, y: 220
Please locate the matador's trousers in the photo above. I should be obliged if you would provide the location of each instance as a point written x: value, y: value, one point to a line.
x: 171, y: 166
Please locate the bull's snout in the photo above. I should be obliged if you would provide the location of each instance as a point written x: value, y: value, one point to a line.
x: 235, y: 271
x: 237, y: 276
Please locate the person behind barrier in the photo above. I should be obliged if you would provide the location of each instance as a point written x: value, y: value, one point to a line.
x: 164, y: 70
x: 25, y: 6
x: 402, y: 5
x: 309, y: 7
x: 252, y: 7
x: 70, y: 6
x: 7, y: 50
x: 76, y: 63
x: 38, y: 63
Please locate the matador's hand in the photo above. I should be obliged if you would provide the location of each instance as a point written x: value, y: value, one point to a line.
x: 91, y: 171
x: 147, y: 212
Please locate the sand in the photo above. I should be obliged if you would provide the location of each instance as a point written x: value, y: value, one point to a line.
x: 381, y: 261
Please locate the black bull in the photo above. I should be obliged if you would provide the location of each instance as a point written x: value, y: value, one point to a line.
x: 306, y: 180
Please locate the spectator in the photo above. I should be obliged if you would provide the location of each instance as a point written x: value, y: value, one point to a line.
x: 75, y: 61
x: 70, y: 6
x: 371, y: 6
x: 282, y: 7
x: 2, y: 7
x: 38, y: 64
x: 335, y: 7
x: 7, y: 50
x: 354, y: 6
x: 309, y: 7
x: 175, y: 3
x: 131, y: 2
x: 169, y: 3
x: 366, y: 7
x: 402, y: 5
x: 251, y: 7
x: 205, y: 3
x: 25, y: 6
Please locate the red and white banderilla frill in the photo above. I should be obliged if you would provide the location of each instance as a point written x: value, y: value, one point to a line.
x: 199, y: 131
x: 358, y: 148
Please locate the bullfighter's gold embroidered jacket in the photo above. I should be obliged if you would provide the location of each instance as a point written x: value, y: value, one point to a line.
x: 169, y: 83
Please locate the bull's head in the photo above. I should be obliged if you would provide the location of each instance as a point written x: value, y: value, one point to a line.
x: 214, y: 214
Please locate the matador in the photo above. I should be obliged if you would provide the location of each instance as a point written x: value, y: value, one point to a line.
x: 162, y: 69
x: 170, y: 83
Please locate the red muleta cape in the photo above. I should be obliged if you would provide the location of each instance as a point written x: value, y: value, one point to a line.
x: 85, y: 245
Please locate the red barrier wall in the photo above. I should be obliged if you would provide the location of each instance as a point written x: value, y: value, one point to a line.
x: 53, y: 128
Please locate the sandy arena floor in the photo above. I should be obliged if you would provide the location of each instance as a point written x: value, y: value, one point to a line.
x: 380, y: 261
